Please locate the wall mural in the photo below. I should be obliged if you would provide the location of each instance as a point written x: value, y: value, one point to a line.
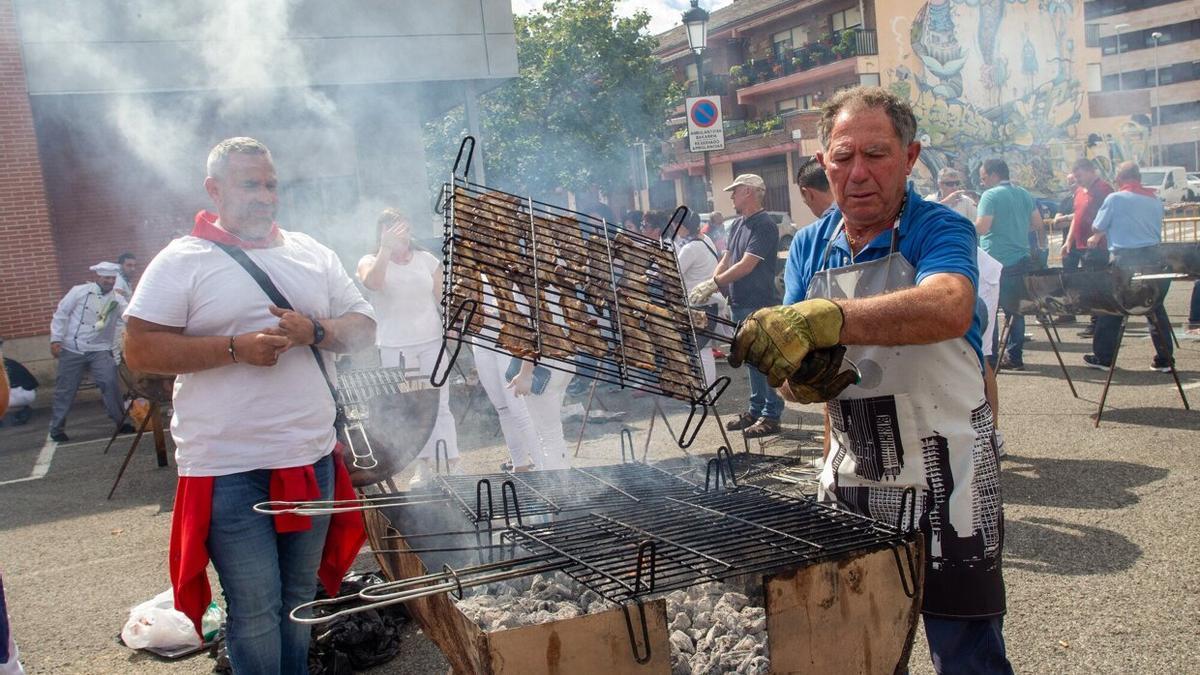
x: 994, y: 77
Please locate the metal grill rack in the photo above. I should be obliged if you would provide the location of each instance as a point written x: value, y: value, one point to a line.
x: 539, y: 493
x: 569, y: 291
x: 357, y: 387
x: 628, y: 554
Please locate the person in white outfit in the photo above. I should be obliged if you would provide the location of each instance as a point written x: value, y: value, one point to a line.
x: 545, y: 406
x: 492, y: 366
x: 697, y: 262
x: 405, y: 287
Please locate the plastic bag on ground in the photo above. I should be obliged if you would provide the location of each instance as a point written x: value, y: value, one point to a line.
x: 157, y: 624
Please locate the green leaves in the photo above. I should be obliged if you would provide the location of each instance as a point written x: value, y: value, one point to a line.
x: 589, y: 87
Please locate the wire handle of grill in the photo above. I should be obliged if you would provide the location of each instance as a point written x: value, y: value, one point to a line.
x: 706, y: 399
x: 442, y: 201
x: 325, y: 507
x: 676, y: 221
x: 470, y: 307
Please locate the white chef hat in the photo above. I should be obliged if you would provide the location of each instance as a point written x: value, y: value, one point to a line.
x: 106, y: 269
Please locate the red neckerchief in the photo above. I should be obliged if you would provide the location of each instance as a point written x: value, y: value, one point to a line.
x: 188, y: 556
x: 1138, y: 188
x: 206, y: 228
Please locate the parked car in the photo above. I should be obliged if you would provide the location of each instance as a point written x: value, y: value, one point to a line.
x: 1193, y: 179
x: 1169, y: 183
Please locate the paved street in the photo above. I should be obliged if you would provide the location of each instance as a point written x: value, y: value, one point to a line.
x: 1102, y: 538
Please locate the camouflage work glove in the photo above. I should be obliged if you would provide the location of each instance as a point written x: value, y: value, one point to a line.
x: 818, y: 380
x: 776, y: 339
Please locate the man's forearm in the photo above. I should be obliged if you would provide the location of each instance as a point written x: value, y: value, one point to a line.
x: 743, y: 267
x: 348, y: 333
x: 939, y: 309
x: 171, y: 353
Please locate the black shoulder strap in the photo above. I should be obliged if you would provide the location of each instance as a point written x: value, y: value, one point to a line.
x: 277, y: 299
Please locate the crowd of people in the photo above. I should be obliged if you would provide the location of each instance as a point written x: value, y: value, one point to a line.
x: 907, y: 289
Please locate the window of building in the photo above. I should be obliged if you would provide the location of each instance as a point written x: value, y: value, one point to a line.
x: 1094, y: 80
x: 847, y: 18
x: 785, y: 41
x: 869, y: 79
x: 802, y: 102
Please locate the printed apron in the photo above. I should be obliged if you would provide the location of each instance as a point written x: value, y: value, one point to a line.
x: 918, y: 419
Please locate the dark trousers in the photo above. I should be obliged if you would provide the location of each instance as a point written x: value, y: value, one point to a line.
x: 1194, y: 310
x: 967, y: 646
x: 1108, y: 328
x: 1087, y: 259
x: 1012, y: 285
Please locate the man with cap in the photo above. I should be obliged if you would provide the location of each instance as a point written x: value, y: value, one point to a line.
x: 747, y: 268
x: 81, y: 338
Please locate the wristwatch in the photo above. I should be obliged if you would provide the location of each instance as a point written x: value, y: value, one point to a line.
x: 318, y: 332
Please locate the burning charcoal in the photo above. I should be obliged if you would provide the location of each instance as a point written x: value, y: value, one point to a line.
x: 703, y: 621
x: 758, y: 665
x: 681, y: 622
x: 747, y: 643
x: 735, y: 601
x: 695, y: 633
x: 704, y: 605
x: 680, y: 640
x: 757, y: 626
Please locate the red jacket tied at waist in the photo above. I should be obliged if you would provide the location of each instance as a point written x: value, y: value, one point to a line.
x: 193, y: 513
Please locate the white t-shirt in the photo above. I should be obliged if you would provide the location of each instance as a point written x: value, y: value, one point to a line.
x: 697, y: 261
x: 963, y: 206
x: 240, y: 417
x: 989, y: 292
x: 407, y: 312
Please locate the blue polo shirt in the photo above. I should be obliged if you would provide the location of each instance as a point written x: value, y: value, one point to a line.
x: 933, y: 238
x: 1130, y: 220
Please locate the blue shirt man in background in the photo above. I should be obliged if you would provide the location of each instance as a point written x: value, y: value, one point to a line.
x: 1132, y: 219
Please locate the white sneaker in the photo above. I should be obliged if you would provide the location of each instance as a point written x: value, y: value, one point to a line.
x: 1000, y: 451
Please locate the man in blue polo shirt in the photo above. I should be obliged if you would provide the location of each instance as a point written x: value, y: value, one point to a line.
x: 892, y: 279
x: 1132, y: 218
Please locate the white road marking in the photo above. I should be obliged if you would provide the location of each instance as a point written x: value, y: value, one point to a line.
x: 41, y: 467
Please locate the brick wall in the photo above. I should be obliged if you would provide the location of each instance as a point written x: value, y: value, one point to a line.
x: 28, y: 261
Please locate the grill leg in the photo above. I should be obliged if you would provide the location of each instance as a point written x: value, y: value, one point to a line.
x: 117, y: 431
x: 1057, y: 355
x: 133, y: 447
x: 1111, y: 367
x: 587, y: 411
x: 1004, y: 332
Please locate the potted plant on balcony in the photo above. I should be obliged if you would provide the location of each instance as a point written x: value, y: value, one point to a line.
x: 737, y: 75
x: 845, y: 45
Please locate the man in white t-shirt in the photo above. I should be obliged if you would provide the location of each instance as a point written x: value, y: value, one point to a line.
x: 952, y: 192
x: 253, y: 411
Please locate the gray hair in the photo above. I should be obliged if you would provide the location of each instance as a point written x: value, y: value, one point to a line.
x: 949, y: 172
x: 218, y: 158
x: 867, y: 98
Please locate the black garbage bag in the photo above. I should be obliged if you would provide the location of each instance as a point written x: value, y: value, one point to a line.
x: 348, y: 644
x: 360, y: 640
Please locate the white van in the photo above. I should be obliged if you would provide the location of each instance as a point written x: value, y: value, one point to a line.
x: 1169, y: 183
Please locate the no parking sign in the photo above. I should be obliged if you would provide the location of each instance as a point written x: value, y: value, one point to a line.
x: 706, y: 129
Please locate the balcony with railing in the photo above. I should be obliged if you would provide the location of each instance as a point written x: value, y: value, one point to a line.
x: 806, y: 64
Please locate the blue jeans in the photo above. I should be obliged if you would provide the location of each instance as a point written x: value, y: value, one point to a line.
x: 1012, y: 284
x: 1194, y: 308
x: 264, y: 574
x: 967, y: 646
x: 764, y: 401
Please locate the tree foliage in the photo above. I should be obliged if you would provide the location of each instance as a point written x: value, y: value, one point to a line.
x: 589, y: 87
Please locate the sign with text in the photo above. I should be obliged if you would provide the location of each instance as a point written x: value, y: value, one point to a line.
x: 706, y: 128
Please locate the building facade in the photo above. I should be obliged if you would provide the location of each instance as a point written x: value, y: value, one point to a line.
x: 1029, y: 82
x: 111, y: 108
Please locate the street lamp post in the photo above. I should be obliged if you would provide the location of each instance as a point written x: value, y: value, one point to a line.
x: 1156, y: 36
x: 1195, y: 148
x: 695, y: 20
x: 1120, y: 75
